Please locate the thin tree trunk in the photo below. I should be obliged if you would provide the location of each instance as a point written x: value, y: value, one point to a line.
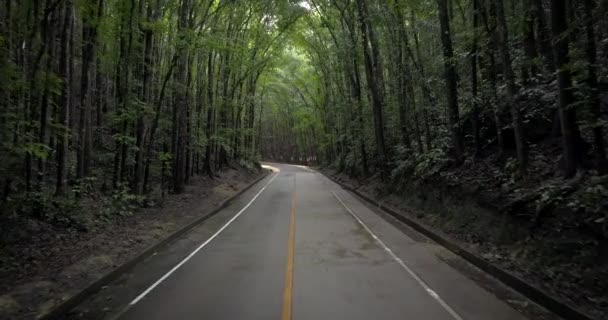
x: 593, y: 87
x: 156, y: 121
x: 451, y: 82
x: 89, y: 45
x: 491, y: 72
x: 181, y: 109
x: 474, y: 81
x: 529, y: 42
x: 50, y: 22
x: 567, y: 115
x: 518, y: 126
x: 356, y: 90
x: 375, y: 82
x: 65, y: 98
x: 210, y: 110
x: 137, y: 184
x: 544, y: 35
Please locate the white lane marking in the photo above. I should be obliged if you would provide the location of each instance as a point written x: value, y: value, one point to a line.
x: 163, y: 278
x: 421, y: 282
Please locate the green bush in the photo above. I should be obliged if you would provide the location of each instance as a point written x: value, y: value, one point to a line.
x: 120, y: 203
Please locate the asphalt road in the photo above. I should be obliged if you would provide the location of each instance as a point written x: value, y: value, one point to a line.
x: 297, y: 246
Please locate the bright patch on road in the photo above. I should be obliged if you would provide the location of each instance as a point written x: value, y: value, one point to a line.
x: 274, y: 169
x: 305, y: 168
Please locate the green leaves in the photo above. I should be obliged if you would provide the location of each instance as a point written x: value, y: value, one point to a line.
x: 36, y: 150
x: 124, y: 139
x: 165, y: 157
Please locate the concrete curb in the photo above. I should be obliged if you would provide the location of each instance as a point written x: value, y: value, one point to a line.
x: 94, y: 287
x: 533, y: 293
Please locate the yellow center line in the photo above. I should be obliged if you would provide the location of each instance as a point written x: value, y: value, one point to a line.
x: 288, y: 289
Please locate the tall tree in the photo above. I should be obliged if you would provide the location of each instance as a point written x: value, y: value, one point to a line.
x: 65, y: 100
x: 375, y: 80
x: 593, y: 87
x: 474, y: 79
x: 567, y: 115
x: 451, y: 81
x: 509, y: 77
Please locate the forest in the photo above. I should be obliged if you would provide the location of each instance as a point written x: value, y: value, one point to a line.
x: 107, y: 106
x: 487, y: 117
x: 124, y: 94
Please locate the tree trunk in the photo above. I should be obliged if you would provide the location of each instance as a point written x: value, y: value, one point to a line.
x: 156, y: 121
x: 89, y: 46
x: 210, y: 111
x: 593, y: 87
x: 489, y: 20
x: 402, y: 77
x: 567, y: 115
x: 417, y: 130
x: 474, y: 81
x: 47, y: 96
x: 181, y: 107
x: 355, y: 80
x: 375, y: 82
x: 65, y: 99
x: 451, y: 82
x: 529, y: 42
x: 518, y: 126
x: 544, y: 36
x: 137, y: 183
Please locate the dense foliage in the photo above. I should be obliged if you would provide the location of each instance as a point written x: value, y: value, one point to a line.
x: 389, y: 82
x: 128, y: 97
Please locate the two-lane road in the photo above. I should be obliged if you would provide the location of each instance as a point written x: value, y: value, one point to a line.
x: 300, y: 247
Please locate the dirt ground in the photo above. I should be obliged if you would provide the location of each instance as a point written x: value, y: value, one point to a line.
x: 48, y: 264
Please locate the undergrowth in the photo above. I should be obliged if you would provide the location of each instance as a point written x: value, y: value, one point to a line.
x: 83, y: 207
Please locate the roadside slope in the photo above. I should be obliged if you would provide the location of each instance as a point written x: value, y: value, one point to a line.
x: 43, y: 271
